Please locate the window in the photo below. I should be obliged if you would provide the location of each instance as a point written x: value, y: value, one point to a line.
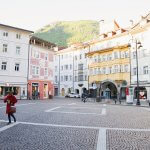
x: 85, y: 77
x: 55, y: 68
x: 99, y: 58
x: 95, y: 59
x: 36, y: 54
x: 91, y: 71
x: 5, y: 47
x: 104, y: 70
x: 126, y: 54
x: 99, y: 70
x: 18, y: 36
x: 145, y: 70
x: 17, y: 66
x: 17, y: 50
x: 80, y: 56
x: 104, y: 58
x: 46, y: 71
x: 134, y: 54
x: 134, y: 71
x: 56, y: 79
x: 35, y: 70
x: 70, y: 66
x: 126, y: 68
x: 61, y: 67
x: 65, y: 78
x: 75, y: 57
x: 66, y: 67
x: 80, y: 78
x: 109, y: 57
x: 46, y: 56
x: 115, y: 55
x: 76, y: 78
x: 5, y: 34
x: 116, y: 69
x: 110, y: 70
x: 61, y: 78
x: 4, y: 66
x: 95, y: 71
x: 70, y: 78
x: 80, y: 66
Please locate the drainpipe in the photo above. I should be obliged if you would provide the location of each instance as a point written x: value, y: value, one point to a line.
x: 28, y: 69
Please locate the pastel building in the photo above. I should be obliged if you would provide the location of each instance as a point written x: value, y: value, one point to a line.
x: 41, y: 65
x: 71, y: 70
x: 14, y: 47
x: 140, y: 32
x: 109, y: 65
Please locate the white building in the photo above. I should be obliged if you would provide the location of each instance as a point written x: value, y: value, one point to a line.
x: 141, y: 33
x: 71, y: 70
x: 14, y: 46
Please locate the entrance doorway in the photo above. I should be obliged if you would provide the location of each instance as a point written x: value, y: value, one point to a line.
x: 45, y: 91
x: 108, y: 90
x: 35, y: 89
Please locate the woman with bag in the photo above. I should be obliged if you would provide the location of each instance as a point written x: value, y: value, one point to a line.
x: 10, y: 99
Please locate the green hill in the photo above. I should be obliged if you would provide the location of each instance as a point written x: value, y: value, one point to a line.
x: 69, y: 32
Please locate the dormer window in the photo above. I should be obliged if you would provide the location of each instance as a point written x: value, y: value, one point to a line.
x: 103, y: 36
x: 143, y: 22
x: 110, y: 34
x: 119, y: 31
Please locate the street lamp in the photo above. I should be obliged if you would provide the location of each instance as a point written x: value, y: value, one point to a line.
x: 137, y: 46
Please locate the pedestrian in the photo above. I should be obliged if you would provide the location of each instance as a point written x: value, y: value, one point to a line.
x: 10, y: 99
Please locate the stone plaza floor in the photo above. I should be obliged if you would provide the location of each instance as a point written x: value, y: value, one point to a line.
x: 70, y: 124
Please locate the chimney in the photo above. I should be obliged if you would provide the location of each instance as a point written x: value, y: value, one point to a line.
x: 101, y: 22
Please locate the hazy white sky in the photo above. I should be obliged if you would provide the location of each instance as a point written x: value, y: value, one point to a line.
x: 33, y: 14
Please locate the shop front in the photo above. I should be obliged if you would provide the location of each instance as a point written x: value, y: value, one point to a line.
x: 20, y: 91
x: 40, y: 89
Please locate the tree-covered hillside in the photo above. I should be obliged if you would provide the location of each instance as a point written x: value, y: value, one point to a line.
x: 69, y: 32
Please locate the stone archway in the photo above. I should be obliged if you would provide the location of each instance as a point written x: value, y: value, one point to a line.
x: 108, y: 90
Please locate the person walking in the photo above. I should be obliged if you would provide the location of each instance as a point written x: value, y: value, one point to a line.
x: 10, y: 99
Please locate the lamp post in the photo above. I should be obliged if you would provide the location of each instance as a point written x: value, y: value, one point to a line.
x: 137, y: 46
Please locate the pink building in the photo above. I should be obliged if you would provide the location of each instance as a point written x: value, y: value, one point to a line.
x: 40, y: 76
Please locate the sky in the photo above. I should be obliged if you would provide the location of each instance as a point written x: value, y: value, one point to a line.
x: 34, y: 14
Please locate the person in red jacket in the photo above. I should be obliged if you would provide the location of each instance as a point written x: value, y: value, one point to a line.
x: 10, y: 99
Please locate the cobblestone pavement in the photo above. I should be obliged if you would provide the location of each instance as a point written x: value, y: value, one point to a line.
x: 69, y: 124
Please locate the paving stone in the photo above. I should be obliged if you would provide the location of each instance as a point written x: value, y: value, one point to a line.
x: 30, y: 137
x: 128, y: 140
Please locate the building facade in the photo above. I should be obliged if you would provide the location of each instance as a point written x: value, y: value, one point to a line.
x: 109, y: 63
x: 71, y: 70
x: 14, y: 47
x: 139, y: 40
x: 41, y: 65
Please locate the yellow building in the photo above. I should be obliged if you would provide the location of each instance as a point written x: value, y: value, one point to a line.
x: 109, y: 63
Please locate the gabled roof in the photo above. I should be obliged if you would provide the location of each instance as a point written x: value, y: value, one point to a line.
x: 8, y: 26
x: 147, y: 18
x: 39, y: 41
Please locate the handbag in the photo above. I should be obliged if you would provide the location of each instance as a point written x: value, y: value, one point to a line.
x: 13, y: 109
